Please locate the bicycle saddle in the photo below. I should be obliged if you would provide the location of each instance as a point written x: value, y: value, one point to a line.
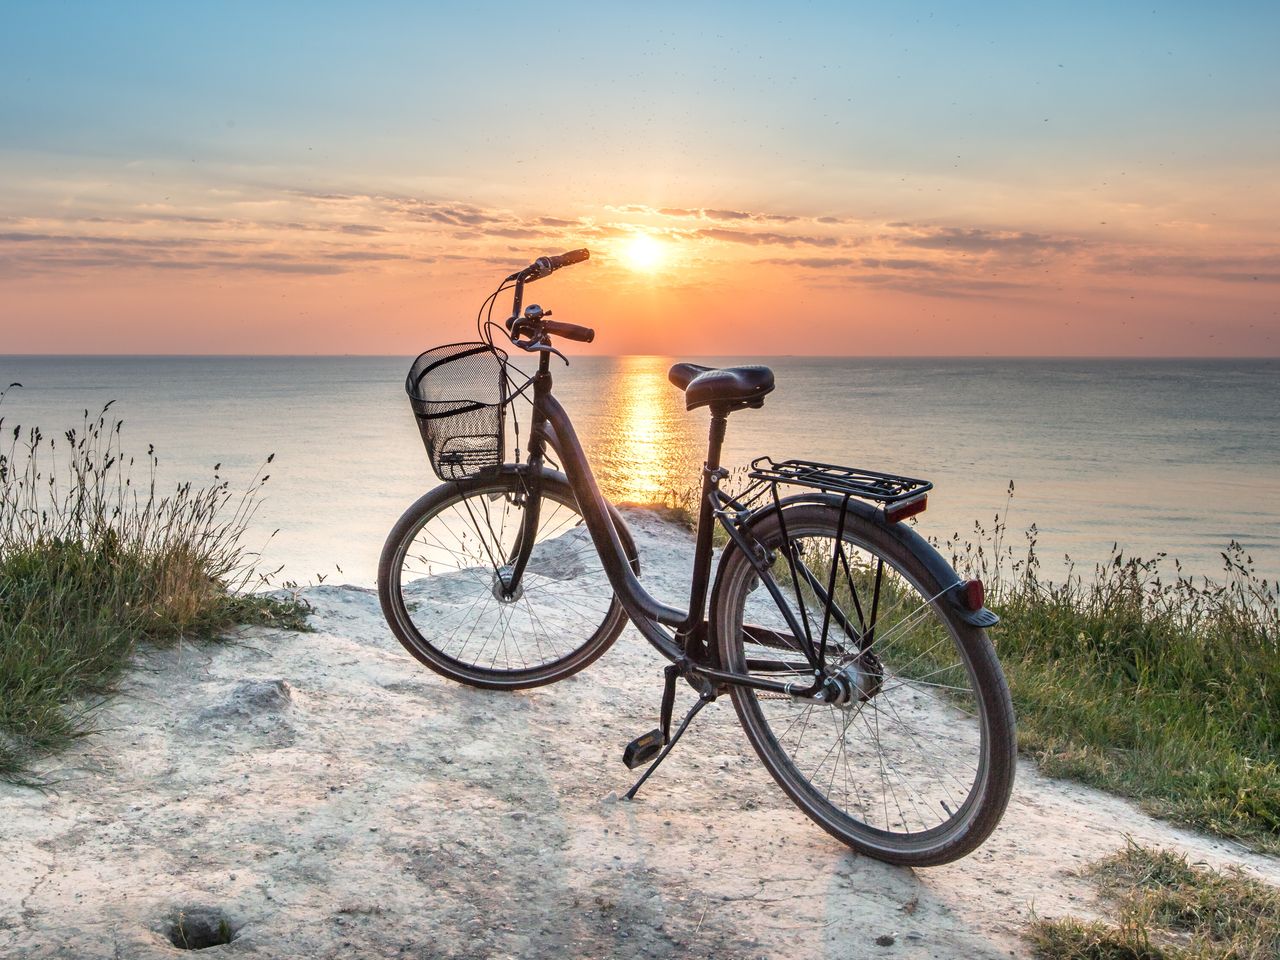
x: 731, y: 386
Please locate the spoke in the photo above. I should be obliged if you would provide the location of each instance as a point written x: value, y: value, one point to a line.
x: 479, y: 597
x: 467, y: 640
x: 794, y: 720
x: 897, y: 718
x: 912, y: 682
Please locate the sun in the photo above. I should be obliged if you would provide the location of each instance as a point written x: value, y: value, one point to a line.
x: 644, y: 253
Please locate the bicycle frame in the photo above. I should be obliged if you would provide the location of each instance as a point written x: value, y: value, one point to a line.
x: 673, y: 632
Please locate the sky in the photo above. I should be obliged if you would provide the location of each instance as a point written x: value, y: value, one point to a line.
x: 751, y: 178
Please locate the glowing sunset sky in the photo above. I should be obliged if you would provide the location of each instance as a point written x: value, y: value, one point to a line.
x: 811, y: 178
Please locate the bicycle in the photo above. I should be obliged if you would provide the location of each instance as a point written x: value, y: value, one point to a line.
x: 854, y: 654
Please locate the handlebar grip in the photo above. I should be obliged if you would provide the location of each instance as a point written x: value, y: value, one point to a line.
x: 545, y: 266
x: 570, y: 258
x: 570, y: 331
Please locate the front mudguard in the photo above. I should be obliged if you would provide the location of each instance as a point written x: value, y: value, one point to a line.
x: 942, y: 572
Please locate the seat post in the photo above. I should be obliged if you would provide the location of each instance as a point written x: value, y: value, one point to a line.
x: 715, y: 440
x: 706, y: 521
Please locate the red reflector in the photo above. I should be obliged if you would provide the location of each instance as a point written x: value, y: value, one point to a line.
x: 906, y: 508
x: 974, y: 595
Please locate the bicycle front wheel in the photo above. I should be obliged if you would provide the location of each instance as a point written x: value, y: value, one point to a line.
x: 441, y: 585
x: 916, y: 765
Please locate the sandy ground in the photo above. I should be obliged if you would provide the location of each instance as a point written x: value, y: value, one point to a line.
x: 329, y: 797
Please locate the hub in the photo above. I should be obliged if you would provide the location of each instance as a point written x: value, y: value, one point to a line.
x: 857, y: 681
x: 502, y: 591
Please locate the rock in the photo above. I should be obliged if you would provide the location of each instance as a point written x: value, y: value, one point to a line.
x: 249, y: 698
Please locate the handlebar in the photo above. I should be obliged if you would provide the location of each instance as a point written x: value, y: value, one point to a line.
x: 545, y: 266
x: 535, y: 327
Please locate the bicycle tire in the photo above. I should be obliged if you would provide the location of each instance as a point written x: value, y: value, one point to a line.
x: 904, y: 705
x: 449, y: 616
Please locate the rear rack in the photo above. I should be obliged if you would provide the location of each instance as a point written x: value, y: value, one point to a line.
x: 870, y: 484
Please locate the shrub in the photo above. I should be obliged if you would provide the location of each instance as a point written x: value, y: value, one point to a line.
x: 91, y: 565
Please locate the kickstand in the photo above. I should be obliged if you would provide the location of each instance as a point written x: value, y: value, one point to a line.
x: 707, y: 695
x: 670, y: 675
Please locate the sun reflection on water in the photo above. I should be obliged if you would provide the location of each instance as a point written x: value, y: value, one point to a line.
x: 647, y: 448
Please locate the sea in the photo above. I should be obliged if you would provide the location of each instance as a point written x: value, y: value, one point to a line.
x: 1179, y: 457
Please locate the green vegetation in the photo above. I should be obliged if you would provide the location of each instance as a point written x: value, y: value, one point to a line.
x: 1164, y: 688
x: 91, y: 566
x: 1167, y: 909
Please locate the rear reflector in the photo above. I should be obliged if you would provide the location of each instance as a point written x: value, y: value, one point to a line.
x: 973, y: 595
x: 905, y: 508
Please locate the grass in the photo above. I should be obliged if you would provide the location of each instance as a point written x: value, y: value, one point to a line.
x: 92, y: 565
x: 1168, y: 909
x: 1143, y: 680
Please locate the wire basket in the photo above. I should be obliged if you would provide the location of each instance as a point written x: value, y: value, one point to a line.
x: 459, y: 394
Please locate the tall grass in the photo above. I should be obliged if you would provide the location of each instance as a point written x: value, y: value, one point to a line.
x: 91, y: 564
x: 1139, y: 678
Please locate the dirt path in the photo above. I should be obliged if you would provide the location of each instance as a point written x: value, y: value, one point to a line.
x: 331, y: 798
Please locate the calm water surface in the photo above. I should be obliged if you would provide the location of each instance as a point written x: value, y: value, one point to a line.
x: 1176, y: 456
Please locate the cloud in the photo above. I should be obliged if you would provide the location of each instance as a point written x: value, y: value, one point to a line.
x: 271, y: 267
x: 913, y: 276
x: 92, y: 240
x: 763, y: 238
x: 450, y: 214
x: 55, y: 252
x: 812, y: 263
x: 871, y: 263
x: 951, y: 287
x: 713, y: 213
x: 898, y: 264
x: 1254, y: 268
x: 516, y: 233
x: 358, y: 255
x: 978, y: 240
x: 456, y: 217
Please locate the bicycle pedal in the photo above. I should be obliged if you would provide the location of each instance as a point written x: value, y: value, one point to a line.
x: 642, y: 749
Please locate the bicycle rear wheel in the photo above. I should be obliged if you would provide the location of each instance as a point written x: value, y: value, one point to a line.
x: 440, y: 583
x: 917, y: 765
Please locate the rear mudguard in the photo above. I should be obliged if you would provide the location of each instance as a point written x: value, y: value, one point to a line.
x: 906, y: 536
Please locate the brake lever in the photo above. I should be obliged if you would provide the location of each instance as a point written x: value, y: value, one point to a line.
x: 540, y: 348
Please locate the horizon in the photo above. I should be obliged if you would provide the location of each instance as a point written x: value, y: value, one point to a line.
x: 1003, y: 182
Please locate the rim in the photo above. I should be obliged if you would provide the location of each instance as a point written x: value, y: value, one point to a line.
x: 905, y: 759
x: 448, y: 578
